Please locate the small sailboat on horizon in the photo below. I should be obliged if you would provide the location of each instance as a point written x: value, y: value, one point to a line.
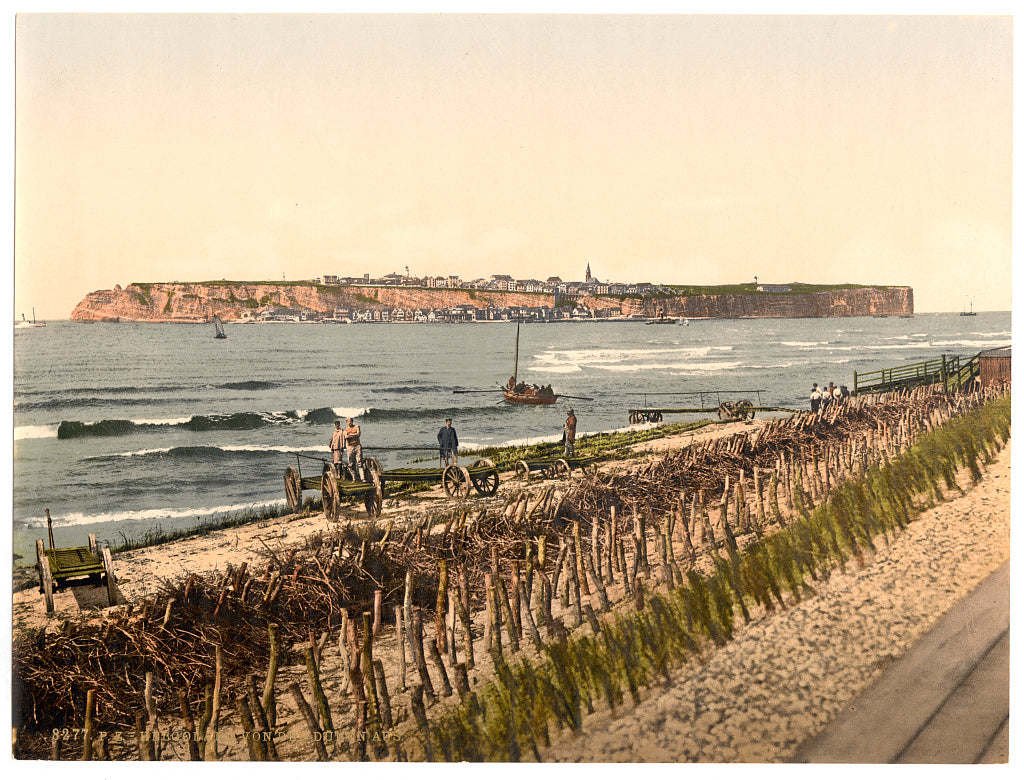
x: 970, y: 313
x: 219, y: 328
x: 29, y: 323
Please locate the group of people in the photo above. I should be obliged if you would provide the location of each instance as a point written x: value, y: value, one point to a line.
x: 821, y: 397
x: 346, y: 440
x: 521, y: 388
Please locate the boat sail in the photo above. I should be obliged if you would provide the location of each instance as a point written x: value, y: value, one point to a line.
x: 219, y: 327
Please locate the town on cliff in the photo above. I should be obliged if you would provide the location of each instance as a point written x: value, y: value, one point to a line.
x: 397, y: 298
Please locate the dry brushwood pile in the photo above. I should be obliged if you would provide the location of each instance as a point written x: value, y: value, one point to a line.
x: 478, y: 567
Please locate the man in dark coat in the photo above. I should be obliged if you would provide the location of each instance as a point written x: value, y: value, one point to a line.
x: 448, y: 441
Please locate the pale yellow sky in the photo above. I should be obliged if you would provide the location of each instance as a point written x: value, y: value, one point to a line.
x: 675, y: 149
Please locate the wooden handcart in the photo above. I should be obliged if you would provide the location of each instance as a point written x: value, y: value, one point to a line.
x: 482, y: 475
x: 335, y: 484
x: 57, y: 565
x: 551, y: 466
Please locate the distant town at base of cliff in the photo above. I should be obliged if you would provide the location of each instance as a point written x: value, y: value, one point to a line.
x: 402, y: 300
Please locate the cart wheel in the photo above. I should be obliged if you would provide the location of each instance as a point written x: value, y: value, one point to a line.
x: 374, y: 501
x: 108, y: 567
x: 562, y: 468
x: 329, y: 494
x: 293, y: 489
x: 523, y: 470
x: 372, y: 466
x: 456, y: 481
x: 487, y: 483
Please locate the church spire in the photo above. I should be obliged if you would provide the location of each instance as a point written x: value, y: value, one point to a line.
x: 588, y: 272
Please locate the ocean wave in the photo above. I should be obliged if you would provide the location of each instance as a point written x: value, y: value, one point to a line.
x: 206, y: 451
x: 35, y: 432
x: 383, y: 415
x: 251, y: 384
x: 676, y: 369
x: 149, y: 515
x: 237, y: 421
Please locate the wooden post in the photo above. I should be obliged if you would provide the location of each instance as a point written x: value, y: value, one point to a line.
x: 315, y: 734
x: 211, y: 732
x: 602, y: 594
x: 488, y: 613
x: 399, y: 628
x: 421, y: 662
x: 49, y: 527
x: 366, y: 663
x: 318, y: 691
x: 528, y: 624
x: 442, y: 605
x: 378, y: 601
x: 90, y: 704
x: 259, y: 719
x: 190, y: 726
x: 505, y: 609
x: 577, y: 546
x: 462, y: 605
x: 257, y: 750
x: 435, y: 656
x: 385, y: 697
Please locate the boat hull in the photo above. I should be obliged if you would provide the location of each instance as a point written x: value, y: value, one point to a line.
x: 529, y: 400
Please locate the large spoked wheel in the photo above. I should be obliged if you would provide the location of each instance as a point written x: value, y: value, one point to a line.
x: 372, y: 466
x: 329, y: 494
x: 293, y: 489
x: 374, y: 501
x: 562, y: 468
x: 108, y: 568
x: 456, y: 481
x: 523, y: 470
x: 486, y: 484
x: 45, y: 577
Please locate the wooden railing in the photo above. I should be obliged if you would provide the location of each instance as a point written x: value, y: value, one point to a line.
x: 950, y: 371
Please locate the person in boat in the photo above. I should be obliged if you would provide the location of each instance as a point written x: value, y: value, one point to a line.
x: 355, y: 450
x: 569, y: 433
x: 448, y: 442
x: 547, y: 391
x: 337, y: 445
x: 511, y: 380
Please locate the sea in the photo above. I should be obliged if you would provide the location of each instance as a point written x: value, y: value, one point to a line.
x: 125, y: 428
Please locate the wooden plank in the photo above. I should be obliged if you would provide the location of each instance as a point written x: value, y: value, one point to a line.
x: 882, y: 722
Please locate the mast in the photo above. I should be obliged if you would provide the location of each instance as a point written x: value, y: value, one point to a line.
x: 515, y: 367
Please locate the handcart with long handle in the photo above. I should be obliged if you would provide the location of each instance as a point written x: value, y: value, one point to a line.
x: 58, y: 565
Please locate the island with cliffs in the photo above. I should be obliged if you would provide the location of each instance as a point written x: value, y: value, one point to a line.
x: 398, y: 299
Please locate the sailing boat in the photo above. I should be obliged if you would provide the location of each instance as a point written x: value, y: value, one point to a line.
x: 516, y: 392
x: 30, y: 323
x: 970, y: 313
x: 219, y: 326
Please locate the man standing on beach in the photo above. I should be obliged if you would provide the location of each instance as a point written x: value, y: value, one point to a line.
x: 815, y: 397
x: 569, y: 434
x: 448, y: 441
x: 337, y: 444
x: 355, y: 450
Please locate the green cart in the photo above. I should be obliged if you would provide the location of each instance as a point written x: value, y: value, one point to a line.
x: 58, y: 565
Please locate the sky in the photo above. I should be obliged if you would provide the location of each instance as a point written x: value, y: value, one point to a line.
x: 676, y: 149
